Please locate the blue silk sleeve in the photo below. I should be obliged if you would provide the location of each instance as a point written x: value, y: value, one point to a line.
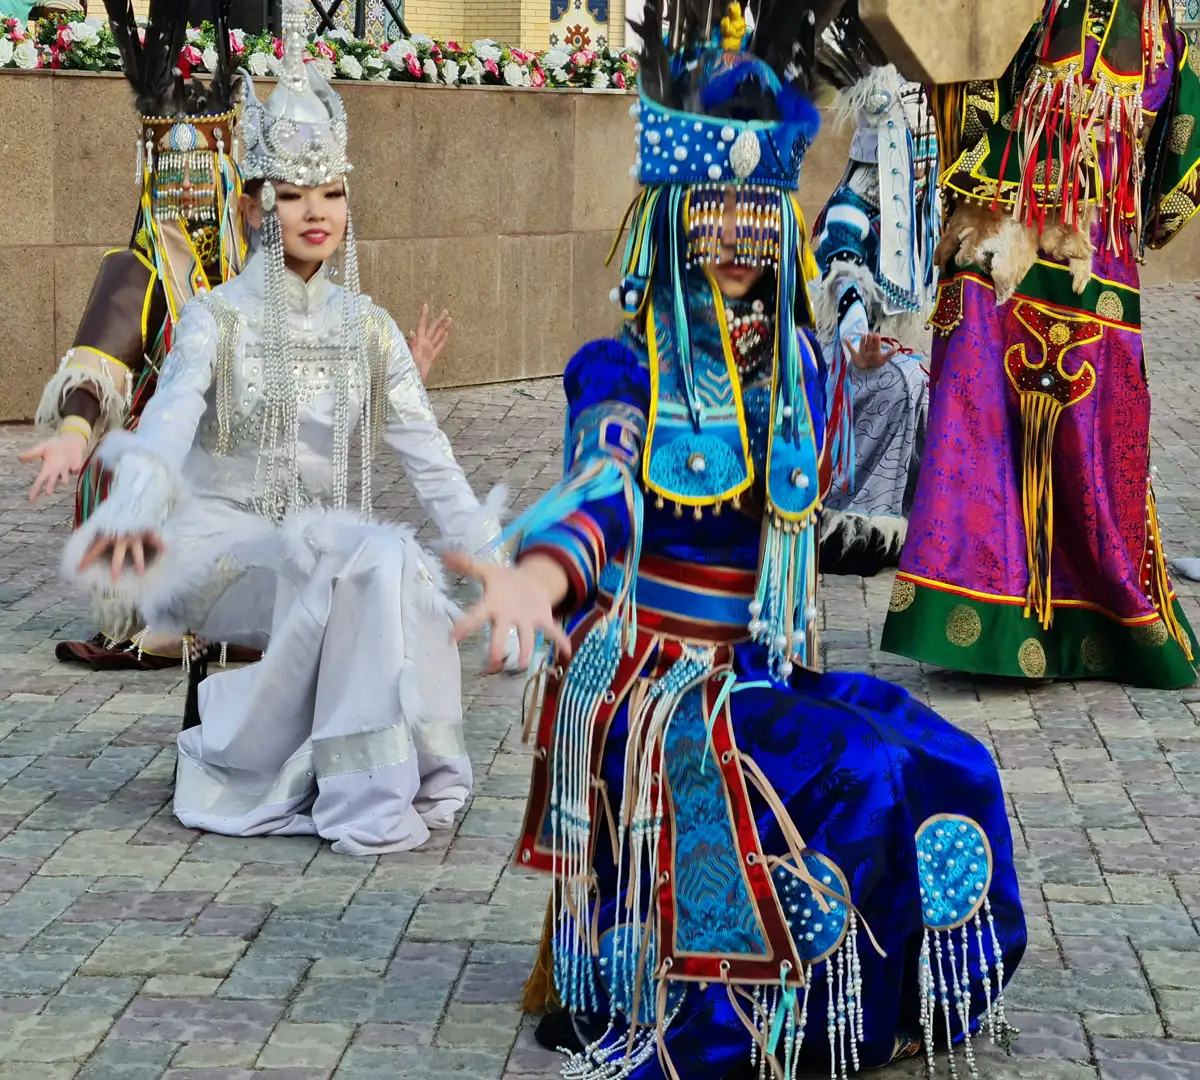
x: 595, y: 511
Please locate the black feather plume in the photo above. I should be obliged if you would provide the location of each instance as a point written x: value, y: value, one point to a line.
x: 803, y: 41
x: 151, y: 66
x: 655, y: 67
x: 223, y: 81
x: 846, y: 52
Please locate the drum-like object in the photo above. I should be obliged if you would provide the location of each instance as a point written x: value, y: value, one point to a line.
x: 948, y: 41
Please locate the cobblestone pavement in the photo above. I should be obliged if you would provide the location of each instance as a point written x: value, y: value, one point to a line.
x: 134, y: 949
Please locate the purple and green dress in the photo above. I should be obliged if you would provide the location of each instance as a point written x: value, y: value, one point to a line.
x: 1034, y: 547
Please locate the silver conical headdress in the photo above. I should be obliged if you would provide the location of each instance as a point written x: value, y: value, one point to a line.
x: 299, y: 135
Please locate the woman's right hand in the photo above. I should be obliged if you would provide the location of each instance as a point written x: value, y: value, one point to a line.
x: 870, y: 352
x: 62, y: 457
x: 514, y: 597
x: 116, y: 549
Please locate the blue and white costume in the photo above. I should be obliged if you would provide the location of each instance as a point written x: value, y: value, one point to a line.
x: 756, y: 865
x: 874, y: 244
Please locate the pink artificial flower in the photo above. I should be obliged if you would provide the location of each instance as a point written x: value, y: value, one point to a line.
x: 435, y: 52
x: 142, y: 35
x: 521, y: 56
x: 619, y: 80
x: 277, y: 47
x: 189, y: 58
x: 237, y: 42
x: 64, y: 36
x: 490, y: 67
x: 326, y: 50
x: 454, y: 45
x: 580, y: 59
x: 414, y: 66
x: 537, y: 77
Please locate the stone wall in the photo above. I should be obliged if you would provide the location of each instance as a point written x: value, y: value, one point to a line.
x: 498, y: 204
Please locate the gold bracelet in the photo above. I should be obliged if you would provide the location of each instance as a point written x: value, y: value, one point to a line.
x: 77, y: 425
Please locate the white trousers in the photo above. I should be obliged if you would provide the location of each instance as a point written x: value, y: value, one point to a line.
x: 350, y: 726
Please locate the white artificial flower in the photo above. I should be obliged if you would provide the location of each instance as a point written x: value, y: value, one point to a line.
x: 339, y: 33
x: 324, y: 67
x: 558, y: 57
x: 193, y: 35
x: 486, y: 49
x: 6, y: 52
x: 259, y: 64
x: 450, y: 71
x: 85, y: 32
x: 274, y: 64
x: 422, y: 40
x: 599, y: 81
x: 398, y: 53
x: 512, y: 74
x: 210, y: 58
x: 430, y: 70
x: 25, y: 55
x: 350, y: 67
x: 472, y: 72
x: 560, y: 75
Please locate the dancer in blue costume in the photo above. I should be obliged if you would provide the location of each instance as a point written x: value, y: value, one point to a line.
x: 758, y: 868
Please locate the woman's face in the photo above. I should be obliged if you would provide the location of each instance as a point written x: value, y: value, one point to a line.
x: 735, y: 282
x: 313, y: 221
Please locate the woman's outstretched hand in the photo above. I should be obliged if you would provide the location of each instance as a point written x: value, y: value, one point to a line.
x: 116, y: 549
x: 428, y: 340
x: 870, y: 352
x: 514, y: 597
x: 61, y: 459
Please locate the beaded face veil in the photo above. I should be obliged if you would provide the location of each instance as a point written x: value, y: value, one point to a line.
x: 298, y: 136
x: 187, y: 147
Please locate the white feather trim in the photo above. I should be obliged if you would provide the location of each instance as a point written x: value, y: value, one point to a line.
x: 142, y: 498
x: 825, y: 295
x: 849, y: 102
x: 858, y: 530
x: 67, y: 380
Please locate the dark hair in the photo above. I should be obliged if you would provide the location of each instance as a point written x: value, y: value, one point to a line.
x: 253, y: 187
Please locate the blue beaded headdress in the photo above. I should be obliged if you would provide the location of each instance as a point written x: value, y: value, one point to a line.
x: 725, y: 108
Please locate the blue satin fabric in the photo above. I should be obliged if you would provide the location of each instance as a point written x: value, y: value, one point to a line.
x: 859, y: 764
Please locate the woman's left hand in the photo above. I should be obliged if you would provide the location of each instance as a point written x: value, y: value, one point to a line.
x: 429, y: 339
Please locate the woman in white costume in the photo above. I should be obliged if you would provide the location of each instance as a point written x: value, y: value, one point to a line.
x: 228, y: 518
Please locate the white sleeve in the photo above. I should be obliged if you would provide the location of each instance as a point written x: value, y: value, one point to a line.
x: 147, y: 464
x: 424, y: 451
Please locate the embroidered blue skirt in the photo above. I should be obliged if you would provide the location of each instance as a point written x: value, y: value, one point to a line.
x: 880, y: 790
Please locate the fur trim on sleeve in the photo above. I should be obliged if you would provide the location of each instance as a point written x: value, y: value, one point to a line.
x: 142, y: 498
x: 73, y: 375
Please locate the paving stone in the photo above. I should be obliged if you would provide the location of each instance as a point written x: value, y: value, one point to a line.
x: 260, y: 976
x: 56, y: 1037
x: 413, y: 1063
x: 212, y: 1055
x: 305, y: 1046
x: 185, y: 1020
x: 164, y: 956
